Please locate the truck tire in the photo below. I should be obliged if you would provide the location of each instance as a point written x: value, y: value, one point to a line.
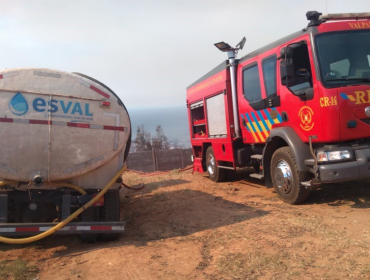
x: 88, y: 216
x: 230, y: 175
x: 285, y: 177
x: 215, y: 174
x: 110, y: 212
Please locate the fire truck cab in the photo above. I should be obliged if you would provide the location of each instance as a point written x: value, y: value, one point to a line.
x: 297, y: 110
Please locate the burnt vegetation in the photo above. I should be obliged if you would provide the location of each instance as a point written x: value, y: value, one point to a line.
x: 145, y: 142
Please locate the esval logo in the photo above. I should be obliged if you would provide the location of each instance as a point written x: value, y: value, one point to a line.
x: 52, y: 106
x: 18, y: 105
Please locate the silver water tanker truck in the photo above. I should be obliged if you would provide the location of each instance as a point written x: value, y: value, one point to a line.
x: 63, y: 137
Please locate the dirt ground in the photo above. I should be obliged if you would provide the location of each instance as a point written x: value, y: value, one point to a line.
x: 184, y: 226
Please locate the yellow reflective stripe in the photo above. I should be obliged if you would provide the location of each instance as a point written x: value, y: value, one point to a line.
x: 263, y: 128
x: 351, y: 97
x: 251, y: 130
x: 268, y: 124
x: 258, y: 132
x: 276, y: 120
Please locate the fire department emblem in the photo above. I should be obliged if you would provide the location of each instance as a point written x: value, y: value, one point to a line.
x: 305, y: 115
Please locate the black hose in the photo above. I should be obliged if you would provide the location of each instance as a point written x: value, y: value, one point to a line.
x: 134, y: 189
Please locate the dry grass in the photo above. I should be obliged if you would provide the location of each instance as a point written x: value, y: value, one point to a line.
x: 18, y: 270
x: 254, y: 265
x: 160, y: 196
x: 285, y: 247
x: 174, y: 172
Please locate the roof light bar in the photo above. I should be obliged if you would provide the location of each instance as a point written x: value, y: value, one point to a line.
x: 317, y: 18
x: 348, y: 16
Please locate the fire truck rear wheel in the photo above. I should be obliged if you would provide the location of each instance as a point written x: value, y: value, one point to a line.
x: 285, y: 177
x: 215, y: 173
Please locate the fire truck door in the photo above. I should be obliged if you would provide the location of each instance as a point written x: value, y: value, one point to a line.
x: 258, y: 99
x: 299, y: 109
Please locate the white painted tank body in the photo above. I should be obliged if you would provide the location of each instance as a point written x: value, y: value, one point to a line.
x: 53, y: 124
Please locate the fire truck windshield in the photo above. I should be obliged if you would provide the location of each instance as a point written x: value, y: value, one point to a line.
x: 344, y: 57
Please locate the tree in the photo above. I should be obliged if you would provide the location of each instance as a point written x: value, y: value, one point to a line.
x: 176, y: 144
x: 143, y: 141
x: 160, y: 142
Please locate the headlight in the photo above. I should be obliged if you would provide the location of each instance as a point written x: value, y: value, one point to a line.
x: 333, y: 155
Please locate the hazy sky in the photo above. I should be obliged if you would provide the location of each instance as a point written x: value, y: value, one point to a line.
x: 147, y: 51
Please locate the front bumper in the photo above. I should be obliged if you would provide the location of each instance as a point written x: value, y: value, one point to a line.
x: 347, y: 171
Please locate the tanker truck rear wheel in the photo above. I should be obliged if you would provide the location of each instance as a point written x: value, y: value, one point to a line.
x: 110, y: 212
x: 89, y: 215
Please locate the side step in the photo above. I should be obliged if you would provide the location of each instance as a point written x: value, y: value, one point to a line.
x: 258, y: 157
x: 255, y: 175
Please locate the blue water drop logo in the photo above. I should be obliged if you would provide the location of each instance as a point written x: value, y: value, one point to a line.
x: 18, y: 105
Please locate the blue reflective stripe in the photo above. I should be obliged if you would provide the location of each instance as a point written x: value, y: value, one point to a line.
x: 257, y: 123
x: 278, y: 115
x: 263, y: 121
x: 343, y: 95
x: 268, y: 116
x: 250, y: 121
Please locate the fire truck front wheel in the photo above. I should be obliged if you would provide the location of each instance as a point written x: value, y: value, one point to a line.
x: 215, y: 173
x: 285, y: 177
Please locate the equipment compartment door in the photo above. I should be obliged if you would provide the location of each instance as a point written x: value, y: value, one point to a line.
x: 216, y: 116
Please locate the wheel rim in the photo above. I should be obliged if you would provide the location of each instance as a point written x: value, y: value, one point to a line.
x: 211, y: 164
x: 283, y: 177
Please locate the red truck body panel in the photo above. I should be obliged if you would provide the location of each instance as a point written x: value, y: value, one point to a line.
x: 326, y: 115
x: 209, y: 87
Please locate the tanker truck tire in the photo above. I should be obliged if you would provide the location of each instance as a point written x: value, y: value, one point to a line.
x: 110, y: 212
x: 285, y: 177
x: 88, y: 216
x: 215, y: 173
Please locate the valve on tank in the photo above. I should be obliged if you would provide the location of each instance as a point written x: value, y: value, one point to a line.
x: 38, y: 180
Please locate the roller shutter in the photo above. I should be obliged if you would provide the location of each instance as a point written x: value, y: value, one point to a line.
x: 216, y: 116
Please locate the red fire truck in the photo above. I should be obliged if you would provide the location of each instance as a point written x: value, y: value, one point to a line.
x: 297, y: 110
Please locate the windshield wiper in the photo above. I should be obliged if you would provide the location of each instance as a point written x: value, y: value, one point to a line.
x: 349, y: 79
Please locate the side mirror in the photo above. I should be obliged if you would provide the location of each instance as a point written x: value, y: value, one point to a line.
x: 286, y: 52
x: 287, y: 71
